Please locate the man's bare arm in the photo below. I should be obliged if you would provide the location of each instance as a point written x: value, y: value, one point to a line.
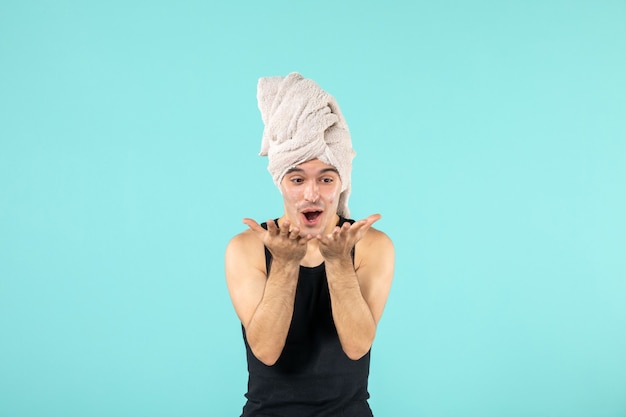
x: 264, y: 303
x: 358, y: 296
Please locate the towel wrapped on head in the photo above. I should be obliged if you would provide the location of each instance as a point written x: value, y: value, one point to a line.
x: 303, y: 122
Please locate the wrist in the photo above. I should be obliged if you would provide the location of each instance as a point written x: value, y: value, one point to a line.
x: 343, y: 262
x: 285, y: 264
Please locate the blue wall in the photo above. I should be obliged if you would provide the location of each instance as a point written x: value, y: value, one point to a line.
x: 490, y: 135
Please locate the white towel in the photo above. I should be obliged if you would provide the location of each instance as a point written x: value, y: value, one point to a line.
x: 303, y: 122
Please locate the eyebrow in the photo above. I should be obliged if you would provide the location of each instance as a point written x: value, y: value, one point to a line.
x: 323, y: 171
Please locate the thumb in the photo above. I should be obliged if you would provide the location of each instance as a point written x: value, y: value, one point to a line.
x: 253, y: 225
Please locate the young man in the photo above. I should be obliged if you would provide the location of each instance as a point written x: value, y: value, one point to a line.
x: 310, y: 286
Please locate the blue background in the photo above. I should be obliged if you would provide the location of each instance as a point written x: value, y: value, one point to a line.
x: 490, y: 135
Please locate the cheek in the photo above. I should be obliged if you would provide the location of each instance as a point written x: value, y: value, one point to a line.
x: 290, y: 195
x: 332, y: 195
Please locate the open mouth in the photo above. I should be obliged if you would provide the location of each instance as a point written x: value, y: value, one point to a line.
x: 311, y: 217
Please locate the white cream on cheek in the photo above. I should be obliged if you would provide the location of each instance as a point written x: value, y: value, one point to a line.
x: 291, y: 197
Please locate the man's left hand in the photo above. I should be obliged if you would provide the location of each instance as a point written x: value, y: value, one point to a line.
x: 339, y: 243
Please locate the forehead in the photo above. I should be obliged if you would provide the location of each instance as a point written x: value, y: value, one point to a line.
x: 313, y: 167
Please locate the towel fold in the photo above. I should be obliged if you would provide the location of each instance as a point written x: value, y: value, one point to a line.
x: 303, y: 122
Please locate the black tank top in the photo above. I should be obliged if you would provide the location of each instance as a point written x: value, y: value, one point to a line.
x: 313, y: 376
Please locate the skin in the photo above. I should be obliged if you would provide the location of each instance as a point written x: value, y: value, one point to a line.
x: 358, y: 291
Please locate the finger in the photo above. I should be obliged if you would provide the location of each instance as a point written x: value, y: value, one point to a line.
x: 334, y: 234
x: 272, y: 227
x: 373, y: 218
x: 366, y: 223
x: 295, y: 233
x: 284, y: 231
x: 253, y: 225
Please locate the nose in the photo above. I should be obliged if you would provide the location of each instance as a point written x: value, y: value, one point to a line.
x: 311, y: 192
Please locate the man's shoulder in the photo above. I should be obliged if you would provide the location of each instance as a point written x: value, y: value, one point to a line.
x: 246, y: 242
x: 245, y: 250
x: 374, y: 257
x: 375, y: 243
x: 377, y: 237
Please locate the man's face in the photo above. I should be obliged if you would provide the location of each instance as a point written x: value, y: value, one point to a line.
x: 311, y: 196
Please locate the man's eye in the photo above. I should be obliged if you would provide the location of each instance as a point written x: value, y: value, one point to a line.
x: 296, y: 180
x: 327, y: 180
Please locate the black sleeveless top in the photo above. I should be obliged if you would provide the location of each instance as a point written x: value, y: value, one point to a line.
x: 313, y: 376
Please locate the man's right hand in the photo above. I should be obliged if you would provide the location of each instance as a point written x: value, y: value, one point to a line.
x: 284, y: 244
